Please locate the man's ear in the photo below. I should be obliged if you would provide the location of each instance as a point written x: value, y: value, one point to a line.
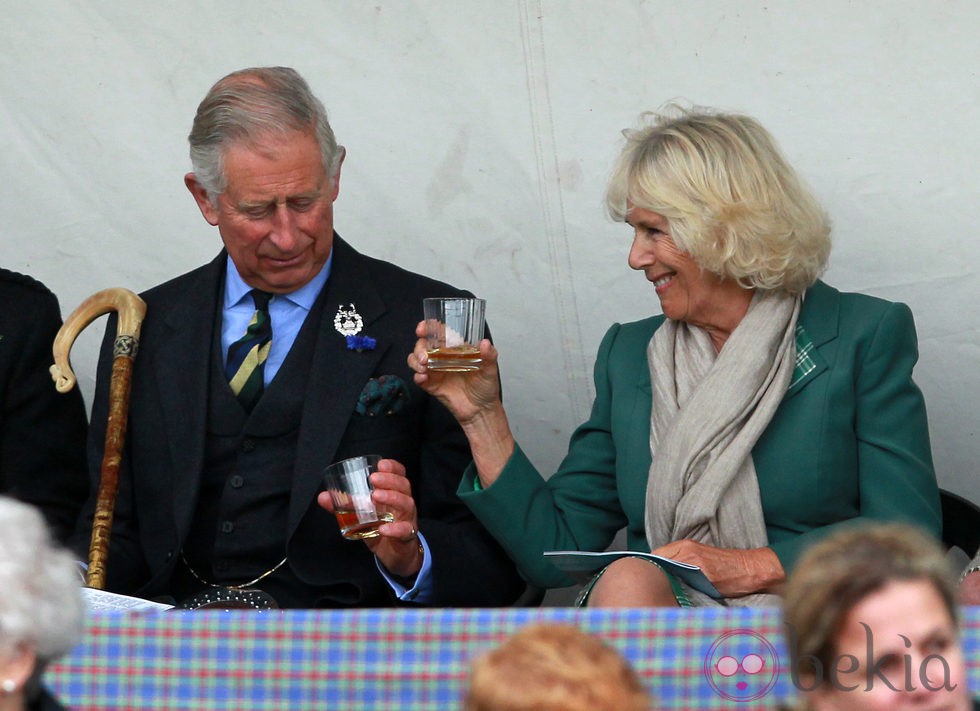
x: 335, y: 178
x: 202, y: 198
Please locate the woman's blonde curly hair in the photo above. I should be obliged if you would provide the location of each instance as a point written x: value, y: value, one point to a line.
x: 731, y: 199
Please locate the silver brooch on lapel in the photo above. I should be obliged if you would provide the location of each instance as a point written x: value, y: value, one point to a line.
x: 347, y: 321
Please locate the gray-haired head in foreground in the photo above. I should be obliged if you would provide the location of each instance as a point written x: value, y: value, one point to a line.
x: 731, y: 199
x: 251, y: 104
x: 41, y: 605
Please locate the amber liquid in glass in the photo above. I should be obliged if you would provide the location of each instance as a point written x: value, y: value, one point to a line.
x: 354, y: 529
x: 455, y: 358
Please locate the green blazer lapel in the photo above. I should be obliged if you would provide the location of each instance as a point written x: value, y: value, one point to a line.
x: 816, y: 327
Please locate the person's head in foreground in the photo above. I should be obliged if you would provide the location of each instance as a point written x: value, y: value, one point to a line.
x: 552, y: 667
x: 41, y: 606
x: 871, y: 623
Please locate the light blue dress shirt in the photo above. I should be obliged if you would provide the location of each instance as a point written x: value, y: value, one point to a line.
x: 288, y: 312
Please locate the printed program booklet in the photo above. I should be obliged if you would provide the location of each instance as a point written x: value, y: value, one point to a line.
x: 582, y: 565
x: 102, y: 601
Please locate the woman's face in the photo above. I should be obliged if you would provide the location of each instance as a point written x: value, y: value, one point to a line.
x: 687, y: 292
x: 897, y: 649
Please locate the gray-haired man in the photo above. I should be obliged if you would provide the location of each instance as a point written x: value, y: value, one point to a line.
x: 217, y: 493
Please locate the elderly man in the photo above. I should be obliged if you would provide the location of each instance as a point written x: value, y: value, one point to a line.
x: 222, y: 465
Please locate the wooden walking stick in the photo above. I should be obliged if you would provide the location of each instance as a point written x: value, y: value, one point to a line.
x: 131, y: 310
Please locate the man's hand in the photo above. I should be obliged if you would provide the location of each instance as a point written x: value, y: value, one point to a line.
x: 397, y: 546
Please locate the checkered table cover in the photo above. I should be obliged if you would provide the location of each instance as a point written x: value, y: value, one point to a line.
x: 405, y: 659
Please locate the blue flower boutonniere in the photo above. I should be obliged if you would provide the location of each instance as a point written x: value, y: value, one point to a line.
x: 349, y: 324
x: 361, y: 343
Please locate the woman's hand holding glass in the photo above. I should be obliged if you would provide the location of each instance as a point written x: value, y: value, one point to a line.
x: 473, y: 398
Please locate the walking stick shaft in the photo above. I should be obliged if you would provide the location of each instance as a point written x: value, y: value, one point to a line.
x: 115, y: 437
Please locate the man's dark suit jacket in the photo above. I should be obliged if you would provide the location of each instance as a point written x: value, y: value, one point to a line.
x: 162, y: 461
x: 42, y: 431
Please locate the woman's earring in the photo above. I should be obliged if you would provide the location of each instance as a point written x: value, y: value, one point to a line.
x: 9, y: 686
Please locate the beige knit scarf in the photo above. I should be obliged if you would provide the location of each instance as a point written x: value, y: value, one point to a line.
x: 708, y: 412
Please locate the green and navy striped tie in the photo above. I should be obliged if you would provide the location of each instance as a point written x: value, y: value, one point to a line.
x: 246, y: 356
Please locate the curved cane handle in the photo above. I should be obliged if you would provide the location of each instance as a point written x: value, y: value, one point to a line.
x: 131, y: 310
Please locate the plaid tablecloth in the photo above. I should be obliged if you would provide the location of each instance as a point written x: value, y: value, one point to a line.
x: 407, y: 659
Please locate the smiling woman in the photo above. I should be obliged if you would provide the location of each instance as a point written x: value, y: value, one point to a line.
x: 686, y: 292
x: 761, y: 412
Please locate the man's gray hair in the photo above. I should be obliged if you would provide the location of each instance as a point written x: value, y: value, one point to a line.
x: 249, y: 104
x: 40, y: 588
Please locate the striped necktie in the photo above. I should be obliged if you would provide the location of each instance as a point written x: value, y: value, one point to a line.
x: 247, y: 355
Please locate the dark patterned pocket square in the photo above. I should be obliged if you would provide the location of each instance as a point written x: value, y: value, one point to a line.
x: 385, y: 395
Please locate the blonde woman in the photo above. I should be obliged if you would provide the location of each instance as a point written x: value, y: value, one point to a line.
x: 763, y: 410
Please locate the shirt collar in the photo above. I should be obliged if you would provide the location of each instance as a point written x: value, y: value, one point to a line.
x: 236, y: 289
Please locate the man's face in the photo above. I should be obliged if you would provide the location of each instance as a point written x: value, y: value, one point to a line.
x: 276, y: 214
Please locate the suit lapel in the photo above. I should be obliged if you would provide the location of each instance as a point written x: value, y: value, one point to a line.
x: 816, y: 327
x: 180, y: 362
x: 337, y: 374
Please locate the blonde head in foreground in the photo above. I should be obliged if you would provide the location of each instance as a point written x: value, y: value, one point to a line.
x: 548, y: 667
